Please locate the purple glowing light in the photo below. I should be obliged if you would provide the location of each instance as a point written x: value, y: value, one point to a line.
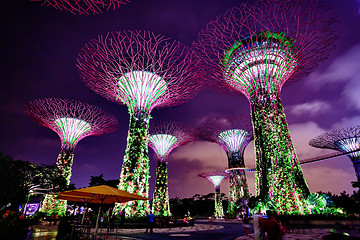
x: 72, y: 129
x: 162, y: 143
x: 234, y: 139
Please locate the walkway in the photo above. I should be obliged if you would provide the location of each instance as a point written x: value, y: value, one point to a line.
x: 202, y: 230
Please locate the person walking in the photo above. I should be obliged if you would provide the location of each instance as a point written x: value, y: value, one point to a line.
x: 258, y: 232
x: 150, y: 224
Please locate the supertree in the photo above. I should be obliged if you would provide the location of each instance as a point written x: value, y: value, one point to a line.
x: 72, y: 121
x: 343, y: 140
x: 254, y: 49
x: 82, y: 6
x: 233, y: 134
x: 216, y: 178
x: 143, y: 71
x: 164, y: 138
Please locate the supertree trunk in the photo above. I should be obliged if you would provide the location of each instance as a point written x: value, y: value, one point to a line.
x: 219, y: 211
x: 134, y: 175
x: 64, y: 162
x: 238, y: 189
x: 279, y: 176
x: 161, y: 206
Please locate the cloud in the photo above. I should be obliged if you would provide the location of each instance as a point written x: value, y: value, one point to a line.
x: 344, y: 69
x: 211, y: 155
x: 301, y: 134
x: 310, y: 108
x: 347, y: 122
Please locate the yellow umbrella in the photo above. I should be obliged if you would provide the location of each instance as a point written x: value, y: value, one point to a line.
x: 99, y: 194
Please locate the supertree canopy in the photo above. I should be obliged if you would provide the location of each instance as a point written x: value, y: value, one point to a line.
x: 216, y: 179
x: 343, y: 140
x: 72, y: 121
x: 233, y: 134
x: 163, y: 139
x: 143, y: 71
x: 82, y: 6
x: 254, y: 49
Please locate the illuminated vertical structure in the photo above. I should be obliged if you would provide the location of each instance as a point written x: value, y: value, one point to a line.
x: 254, y: 49
x: 343, y: 140
x: 163, y: 139
x: 143, y: 71
x: 82, y: 6
x: 216, y: 179
x: 72, y: 121
x: 233, y: 135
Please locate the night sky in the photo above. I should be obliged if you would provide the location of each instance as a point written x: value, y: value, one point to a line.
x: 39, y: 47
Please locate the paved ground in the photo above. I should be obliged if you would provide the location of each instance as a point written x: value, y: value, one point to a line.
x: 202, y: 230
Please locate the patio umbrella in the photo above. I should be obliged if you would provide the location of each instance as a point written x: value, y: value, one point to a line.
x: 99, y: 194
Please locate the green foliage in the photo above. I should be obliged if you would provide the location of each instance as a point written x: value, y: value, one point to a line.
x: 20, y: 178
x: 349, y: 203
x: 316, y: 202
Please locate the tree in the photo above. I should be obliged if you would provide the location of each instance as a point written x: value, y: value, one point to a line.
x: 99, y: 180
x: 20, y: 179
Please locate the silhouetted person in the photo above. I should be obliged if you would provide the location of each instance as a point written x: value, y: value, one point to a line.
x: 64, y: 229
x: 150, y: 224
x: 122, y: 218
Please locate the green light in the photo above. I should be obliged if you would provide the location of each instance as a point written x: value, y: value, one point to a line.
x: 161, y: 206
x: 134, y: 177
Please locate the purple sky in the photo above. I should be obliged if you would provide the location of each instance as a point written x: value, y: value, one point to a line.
x: 39, y: 47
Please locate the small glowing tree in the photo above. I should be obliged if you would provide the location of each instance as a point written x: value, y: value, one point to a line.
x: 164, y: 138
x: 216, y: 179
x: 72, y: 121
x: 143, y: 71
x: 233, y: 134
x: 343, y: 140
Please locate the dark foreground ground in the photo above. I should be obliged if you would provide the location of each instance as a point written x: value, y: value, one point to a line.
x: 205, y: 230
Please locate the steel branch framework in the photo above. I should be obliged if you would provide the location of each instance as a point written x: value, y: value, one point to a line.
x: 163, y: 139
x: 233, y: 134
x: 343, y: 140
x: 72, y: 121
x: 216, y: 179
x: 82, y: 6
x: 143, y: 71
x: 254, y: 49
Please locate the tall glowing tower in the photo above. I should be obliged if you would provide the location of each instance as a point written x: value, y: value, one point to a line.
x: 343, y: 140
x: 82, y: 6
x: 72, y: 121
x: 233, y: 135
x: 254, y: 49
x: 143, y: 71
x: 216, y: 179
x: 164, y: 138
